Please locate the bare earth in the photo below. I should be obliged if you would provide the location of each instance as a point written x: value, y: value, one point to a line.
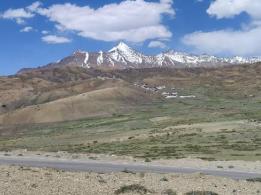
x: 31, y: 181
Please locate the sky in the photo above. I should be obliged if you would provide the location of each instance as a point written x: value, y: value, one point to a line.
x: 35, y: 33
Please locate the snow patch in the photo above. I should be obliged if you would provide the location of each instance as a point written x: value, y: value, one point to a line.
x: 86, y: 59
x: 100, y: 58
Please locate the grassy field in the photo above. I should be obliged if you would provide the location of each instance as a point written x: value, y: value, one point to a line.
x: 212, y: 126
x: 223, y: 122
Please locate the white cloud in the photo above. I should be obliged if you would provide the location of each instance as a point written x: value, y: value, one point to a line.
x: 53, y: 39
x: 246, y: 41
x: 20, y: 21
x: 21, y: 14
x: 35, y: 6
x: 45, y: 32
x: 17, y: 14
x: 134, y: 21
x: 231, y: 8
x: 226, y: 42
x: 129, y: 20
x: 155, y: 44
x: 166, y: 1
x: 27, y: 29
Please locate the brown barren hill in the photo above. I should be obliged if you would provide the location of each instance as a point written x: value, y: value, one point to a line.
x: 100, y: 102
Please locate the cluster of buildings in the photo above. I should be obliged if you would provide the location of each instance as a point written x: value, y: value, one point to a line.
x: 165, y: 92
x: 148, y: 88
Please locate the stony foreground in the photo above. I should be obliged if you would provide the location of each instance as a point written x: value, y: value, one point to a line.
x: 23, y: 180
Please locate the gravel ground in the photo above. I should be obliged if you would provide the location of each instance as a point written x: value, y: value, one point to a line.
x: 31, y: 181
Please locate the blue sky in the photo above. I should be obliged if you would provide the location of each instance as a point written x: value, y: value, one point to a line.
x: 36, y: 33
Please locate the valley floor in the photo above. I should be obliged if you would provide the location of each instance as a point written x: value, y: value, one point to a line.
x: 126, y: 114
x: 149, y: 139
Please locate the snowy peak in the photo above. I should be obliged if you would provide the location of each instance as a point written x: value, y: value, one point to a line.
x: 185, y: 58
x: 205, y: 60
x: 122, y: 47
x: 125, y: 54
x: 123, y: 57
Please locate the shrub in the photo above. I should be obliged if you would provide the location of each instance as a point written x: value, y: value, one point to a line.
x: 168, y: 192
x: 254, y: 180
x: 34, y: 185
x: 128, y: 171
x: 164, y: 179
x: 134, y: 188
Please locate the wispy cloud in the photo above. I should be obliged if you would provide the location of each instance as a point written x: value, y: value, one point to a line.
x: 53, y: 39
x: 27, y: 29
x: 35, y: 6
x: 19, y: 15
x: 157, y: 44
x: 45, y: 32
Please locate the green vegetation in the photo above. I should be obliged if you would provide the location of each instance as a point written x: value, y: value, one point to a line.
x: 171, y: 129
x: 222, y: 123
x: 178, y: 145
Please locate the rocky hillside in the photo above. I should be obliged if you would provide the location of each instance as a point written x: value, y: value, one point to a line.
x: 84, y: 92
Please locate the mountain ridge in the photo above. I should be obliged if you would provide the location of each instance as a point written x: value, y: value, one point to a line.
x: 124, y: 57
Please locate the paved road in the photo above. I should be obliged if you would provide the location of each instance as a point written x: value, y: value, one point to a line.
x: 107, y: 167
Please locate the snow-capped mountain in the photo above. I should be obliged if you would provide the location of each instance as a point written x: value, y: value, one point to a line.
x: 122, y: 57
